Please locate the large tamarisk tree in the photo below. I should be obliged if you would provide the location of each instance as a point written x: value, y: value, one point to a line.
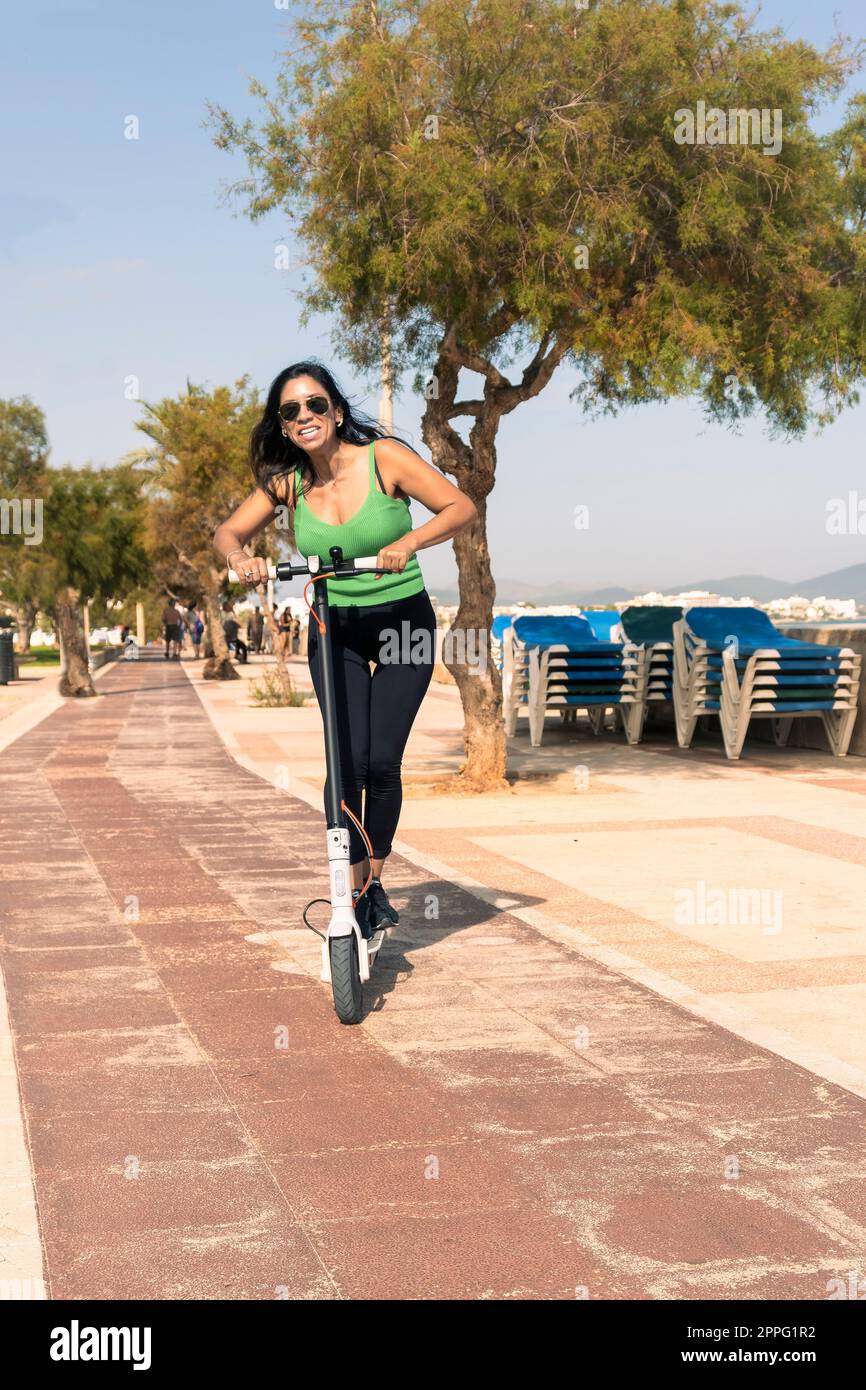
x: 501, y: 182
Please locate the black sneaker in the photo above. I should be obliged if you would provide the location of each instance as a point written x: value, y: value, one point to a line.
x: 363, y: 915
x: 382, y: 912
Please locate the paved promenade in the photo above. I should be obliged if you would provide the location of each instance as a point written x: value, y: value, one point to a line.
x: 539, y: 1102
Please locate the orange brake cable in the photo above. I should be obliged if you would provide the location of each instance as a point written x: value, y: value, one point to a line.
x: 313, y: 612
x: 366, y: 842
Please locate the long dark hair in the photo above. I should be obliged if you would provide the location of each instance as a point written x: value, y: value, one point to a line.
x: 272, y: 455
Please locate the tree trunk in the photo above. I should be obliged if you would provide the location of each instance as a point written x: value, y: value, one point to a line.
x: 29, y: 612
x: 473, y: 466
x: 282, y: 669
x: 476, y: 675
x: 74, y: 655
x: 218, y: 665
x: 25, y: 621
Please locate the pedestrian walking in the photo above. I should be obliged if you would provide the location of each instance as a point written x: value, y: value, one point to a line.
x: 285, y: 632
x: 257, y: 629
x: 171, y: 621
x: 196, y: 630
x: 232, y: 630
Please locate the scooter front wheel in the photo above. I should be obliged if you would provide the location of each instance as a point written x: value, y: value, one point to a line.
x: 346, y: 978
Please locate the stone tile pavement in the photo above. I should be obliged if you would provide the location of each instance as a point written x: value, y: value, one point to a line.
x: 518, y: 1116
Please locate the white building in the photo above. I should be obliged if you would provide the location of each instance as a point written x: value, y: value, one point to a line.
x: 798, y: 609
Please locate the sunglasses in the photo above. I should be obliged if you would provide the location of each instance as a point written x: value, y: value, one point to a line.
x: 290, y: 410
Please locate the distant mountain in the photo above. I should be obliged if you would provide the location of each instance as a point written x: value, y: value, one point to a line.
x: 756, y: 586
x: 515, y: 591
x: 593, y: 598
x: 563, y: 591
x: 845, y: 583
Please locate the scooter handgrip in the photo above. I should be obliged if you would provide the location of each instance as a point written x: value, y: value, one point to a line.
x: 234, y: 577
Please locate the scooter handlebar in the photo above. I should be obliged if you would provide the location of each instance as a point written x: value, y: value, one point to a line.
x: 286, y: 570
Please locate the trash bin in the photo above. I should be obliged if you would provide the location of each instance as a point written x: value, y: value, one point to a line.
x: 7, y: 651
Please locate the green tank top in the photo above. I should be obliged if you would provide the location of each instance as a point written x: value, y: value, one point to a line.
x: 380, y: 521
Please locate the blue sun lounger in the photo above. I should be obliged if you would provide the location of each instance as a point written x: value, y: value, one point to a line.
x: 558, y: 663
x: 734, y: 664
x: 650, y: 626
x: 603, y: 621
x: 498, y: 628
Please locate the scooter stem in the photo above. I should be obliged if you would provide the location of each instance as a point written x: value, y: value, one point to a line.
x: 333, y: 811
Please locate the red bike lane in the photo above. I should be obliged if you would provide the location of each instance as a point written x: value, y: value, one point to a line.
x: 201, y: 1126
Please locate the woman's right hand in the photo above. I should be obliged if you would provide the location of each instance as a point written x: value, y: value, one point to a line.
x: 250, y: 569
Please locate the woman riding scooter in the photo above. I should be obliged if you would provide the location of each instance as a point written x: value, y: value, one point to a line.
x: 350, y: 485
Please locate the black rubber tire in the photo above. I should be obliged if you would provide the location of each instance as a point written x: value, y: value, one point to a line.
x: 346, y: 978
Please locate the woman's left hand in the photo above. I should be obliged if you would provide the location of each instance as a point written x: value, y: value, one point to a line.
x: 395, y: 557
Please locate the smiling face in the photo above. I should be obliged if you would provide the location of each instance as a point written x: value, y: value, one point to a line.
x: 309, y: 431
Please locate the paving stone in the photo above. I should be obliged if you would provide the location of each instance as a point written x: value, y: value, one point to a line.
x: 580, y: 1125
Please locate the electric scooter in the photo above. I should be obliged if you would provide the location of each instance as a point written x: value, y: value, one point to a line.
x: 347, y: 956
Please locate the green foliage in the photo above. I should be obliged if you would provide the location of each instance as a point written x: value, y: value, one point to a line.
x: 93, y: 533
x: 198, y: 473
x: 718, y: 270
x: 23, y: 448
x: 40, y: 656
x: 23, y: 461
x: 270, y: 690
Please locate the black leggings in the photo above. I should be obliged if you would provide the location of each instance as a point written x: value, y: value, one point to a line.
x: 376, y: 710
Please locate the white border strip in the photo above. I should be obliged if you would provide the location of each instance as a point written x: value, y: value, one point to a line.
x: 21, y: 1272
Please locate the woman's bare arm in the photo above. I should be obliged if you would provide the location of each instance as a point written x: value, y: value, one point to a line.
x: 425, y: 484
x: 252, y: 516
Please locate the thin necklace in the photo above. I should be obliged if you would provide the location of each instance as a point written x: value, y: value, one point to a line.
x: 329, y: 482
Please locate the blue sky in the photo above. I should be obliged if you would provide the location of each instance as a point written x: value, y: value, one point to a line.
x: 119, y: 258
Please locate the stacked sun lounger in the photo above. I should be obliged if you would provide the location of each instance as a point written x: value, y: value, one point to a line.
x: 603, y: 621
x: 557, y: 663
x: 498, y: 629
x: 733, y: 664
x: 650, y: 626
